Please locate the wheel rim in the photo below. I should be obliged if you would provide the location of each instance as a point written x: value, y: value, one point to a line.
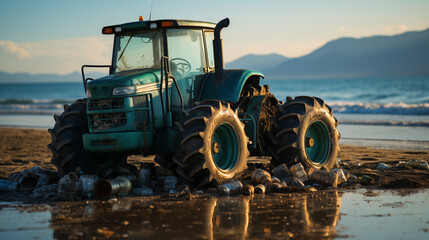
x: 225, y: 147
x: 317, y: 142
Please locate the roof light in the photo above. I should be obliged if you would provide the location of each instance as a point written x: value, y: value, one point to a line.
x: 118, y: 29
x: 140, y: 18
x: 166, y: 24
x: 107, y: 30
x: 153, y: 26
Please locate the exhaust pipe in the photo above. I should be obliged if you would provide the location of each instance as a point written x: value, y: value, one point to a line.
x: 218, y: 52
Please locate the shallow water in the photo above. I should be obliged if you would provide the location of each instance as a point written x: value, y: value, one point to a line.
x: 329, y: 214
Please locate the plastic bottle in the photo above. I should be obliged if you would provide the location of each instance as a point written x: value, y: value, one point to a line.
x: 85, y: 185
x: 230, y: 188
x: 329, y: 178
x: 261, y: 176
x: 281, y: 172
x: 9, y: 186
x: 144, y: 175
x: 298, y: 171
x: 67, y: 186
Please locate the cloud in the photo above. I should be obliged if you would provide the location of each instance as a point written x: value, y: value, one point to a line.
x: 396, y: 29
x: 341, y: 29
x: 13, y: 48
x: 61, y: 56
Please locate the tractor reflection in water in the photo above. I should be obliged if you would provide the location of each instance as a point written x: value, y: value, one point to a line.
x: 279, y: 215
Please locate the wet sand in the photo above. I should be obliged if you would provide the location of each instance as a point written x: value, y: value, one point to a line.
x: 345, y: 213
x: 24, y: 148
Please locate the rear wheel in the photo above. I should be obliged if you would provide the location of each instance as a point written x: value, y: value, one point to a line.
x: 67, y: 144
x: 305, y: 132
x: 213, y: 146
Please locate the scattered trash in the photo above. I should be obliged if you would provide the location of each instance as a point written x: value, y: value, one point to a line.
x: 417, y: 164
x: 298, y: 171
x: 341, y: 176
x: 382, y: 166
x: 293, y: 181
x: 275, y: 180
x: 43, y: 180
x: 169, y: 183
x: 248, y: 190
x: 144, y: 175
x: 260, y: 189
x: 9, y: 186
x: 281, y: 172
x: 106, y: 188
x: 26, y: 180
x: 67, y: 186
x: 366, y: 180
x: 85, y: 185
x: 261, y: 176
x: 276, y: 187
x: 329, y: 178
x: 346, y: 173
x: 44, y: 190
x: 230, y: 188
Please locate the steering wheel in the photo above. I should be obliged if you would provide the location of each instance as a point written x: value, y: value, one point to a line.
x: 183, y: 66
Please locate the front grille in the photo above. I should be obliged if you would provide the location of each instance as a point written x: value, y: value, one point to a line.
x: 106, y: 104
x: 140, y: 101
x: 102, y: 121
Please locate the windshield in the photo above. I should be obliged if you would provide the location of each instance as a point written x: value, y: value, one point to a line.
x: 138, y: 50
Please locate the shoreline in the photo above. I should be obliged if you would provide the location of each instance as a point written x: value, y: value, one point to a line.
x: 392, y: 144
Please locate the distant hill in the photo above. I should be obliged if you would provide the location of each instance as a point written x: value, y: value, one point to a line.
x: 43, y: 78
x: 403, y: 55
x: 257, y: 62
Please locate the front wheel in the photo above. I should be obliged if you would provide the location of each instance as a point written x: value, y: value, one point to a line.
x: 306, y: 132
x: 213, y: 146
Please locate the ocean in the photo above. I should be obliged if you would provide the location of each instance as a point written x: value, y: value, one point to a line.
x: 391, y: 111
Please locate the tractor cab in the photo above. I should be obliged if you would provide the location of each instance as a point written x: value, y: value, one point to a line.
x: 181, y: 49
x: 187, y: 49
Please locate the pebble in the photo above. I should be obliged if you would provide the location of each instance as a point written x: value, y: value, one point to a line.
x: 382, y: 166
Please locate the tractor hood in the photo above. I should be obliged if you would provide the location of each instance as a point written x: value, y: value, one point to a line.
x: 103, y: 87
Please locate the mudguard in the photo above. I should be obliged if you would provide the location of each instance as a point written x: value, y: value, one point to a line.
x: 231, y: 89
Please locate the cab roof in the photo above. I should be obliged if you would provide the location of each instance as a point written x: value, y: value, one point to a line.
x: 157, y: 24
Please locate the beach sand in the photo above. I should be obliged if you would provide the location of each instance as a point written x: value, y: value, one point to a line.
x: 24, y: 148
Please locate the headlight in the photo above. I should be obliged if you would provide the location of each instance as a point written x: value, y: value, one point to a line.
x: 124, y: 90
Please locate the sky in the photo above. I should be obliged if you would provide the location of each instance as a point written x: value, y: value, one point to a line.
x: 51, y: 36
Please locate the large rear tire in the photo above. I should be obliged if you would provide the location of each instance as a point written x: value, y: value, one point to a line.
x: 67, y: 144
x: 305, y: 132
x: 213, y: 146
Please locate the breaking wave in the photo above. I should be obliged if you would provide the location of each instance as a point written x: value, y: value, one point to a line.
x: 32, y: 106
x: 380, y: 108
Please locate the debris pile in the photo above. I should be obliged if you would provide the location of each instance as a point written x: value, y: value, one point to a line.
x: 285, y: 180
x: 150, y: 180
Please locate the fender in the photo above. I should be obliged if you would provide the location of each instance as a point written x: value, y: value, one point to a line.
x: 231, y: 89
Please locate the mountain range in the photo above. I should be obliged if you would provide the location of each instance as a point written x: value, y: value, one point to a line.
x: 402, y: 55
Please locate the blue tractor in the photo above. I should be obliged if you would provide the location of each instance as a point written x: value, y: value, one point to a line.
x: 168, y: 94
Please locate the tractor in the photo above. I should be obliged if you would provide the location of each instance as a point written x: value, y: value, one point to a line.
x: 168, y: 94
